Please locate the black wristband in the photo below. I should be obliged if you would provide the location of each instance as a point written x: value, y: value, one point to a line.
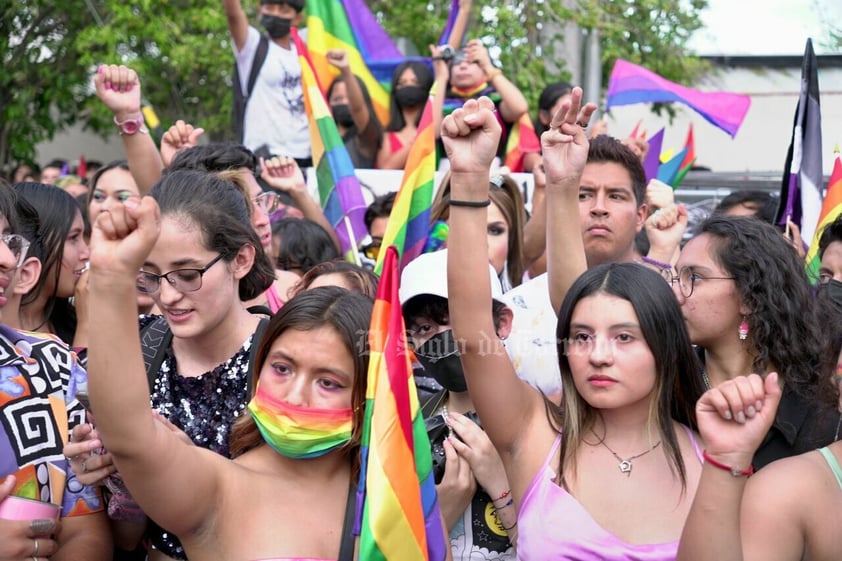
x: 470, y: 204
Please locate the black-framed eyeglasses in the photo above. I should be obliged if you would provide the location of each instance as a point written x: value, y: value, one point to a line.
x: 18, y: 246
x: 267, y: 202
x: 686, y: 280
x: 183, y: 280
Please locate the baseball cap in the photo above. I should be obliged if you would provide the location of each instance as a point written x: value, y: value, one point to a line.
x: 427, y: 274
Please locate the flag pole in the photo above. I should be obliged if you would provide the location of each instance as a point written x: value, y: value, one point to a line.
x: 353, y: 240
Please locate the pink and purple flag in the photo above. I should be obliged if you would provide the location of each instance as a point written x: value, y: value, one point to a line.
x: 631, y: 84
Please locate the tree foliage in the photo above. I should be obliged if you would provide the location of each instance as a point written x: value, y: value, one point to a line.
x: 182, y: 52
x: 42, y: 84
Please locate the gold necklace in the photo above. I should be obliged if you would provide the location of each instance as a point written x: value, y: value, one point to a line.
x: 625, y: 464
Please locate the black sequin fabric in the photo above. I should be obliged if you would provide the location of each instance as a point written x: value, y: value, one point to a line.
x: 204, y: 407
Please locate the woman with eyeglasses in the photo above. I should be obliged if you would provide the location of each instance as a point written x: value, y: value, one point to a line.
x: 52, y: 223
x: 748, y: 307
x: 207, y: 261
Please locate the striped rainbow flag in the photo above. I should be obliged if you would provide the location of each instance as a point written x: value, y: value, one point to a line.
x: 398, y: 516
x: 522, y: 141
x: 339, y: 189
x: 350, y: 25
x: 831, y: 209
x: 409, y: 221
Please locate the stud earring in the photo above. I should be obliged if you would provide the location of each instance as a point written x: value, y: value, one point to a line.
x: 743, y: 330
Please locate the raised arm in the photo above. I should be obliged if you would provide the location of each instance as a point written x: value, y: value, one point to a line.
x: 282, y: 173
x: 565, y: 147
x: 368, y: 138
x: 175, y: 483
x: 238, y: 23
x: 460, y: 25
x: 503, y: 401
x: 512, y: 102
x: 535, y: 230
x: 118, y: 87
x: 732, y: 427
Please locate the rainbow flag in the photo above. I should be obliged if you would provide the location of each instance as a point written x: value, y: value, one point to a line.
x: 350, y: 25
x: 630, y: 83
x: 409, y: 221
x: 831, y: 209
x: 398, y: 516
x: 339, y: 189
x: 522, y: 141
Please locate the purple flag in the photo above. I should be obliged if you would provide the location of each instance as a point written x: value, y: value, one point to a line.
x: 631, y: 83
x: 801, y: 197
x: 653, y: 157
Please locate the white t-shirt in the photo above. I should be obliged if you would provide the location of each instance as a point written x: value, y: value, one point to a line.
x: 275, y: 113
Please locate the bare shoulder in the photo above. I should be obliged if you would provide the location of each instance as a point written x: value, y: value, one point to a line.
x: 798, y: 503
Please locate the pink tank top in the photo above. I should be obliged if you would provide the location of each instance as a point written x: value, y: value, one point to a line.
x: 552, y: 524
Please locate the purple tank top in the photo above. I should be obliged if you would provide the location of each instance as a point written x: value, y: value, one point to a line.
x: 553, y: 524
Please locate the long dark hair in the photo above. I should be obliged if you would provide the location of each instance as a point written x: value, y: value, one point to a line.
x: 45, y: 217
x: 218, y: 209
x: 783, y: 328
x: 115, y: 164
x: 425, y: 81
x: 677, y: 382
x: 349, y: 314
x: 366, y: 97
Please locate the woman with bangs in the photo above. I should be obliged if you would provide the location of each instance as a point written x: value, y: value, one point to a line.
x: 625, y: 426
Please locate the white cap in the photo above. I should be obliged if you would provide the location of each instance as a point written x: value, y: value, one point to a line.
x: 427, y: 274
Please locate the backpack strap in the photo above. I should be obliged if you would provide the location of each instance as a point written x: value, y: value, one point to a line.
x: 241, y: 98
x: 347, y: 545
x: 255, y: 344
x: 155, y: 338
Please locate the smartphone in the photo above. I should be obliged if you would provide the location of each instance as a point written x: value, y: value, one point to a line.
x: 82, y: 397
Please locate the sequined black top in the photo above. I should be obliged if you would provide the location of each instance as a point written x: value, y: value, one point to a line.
x: 204, y: 407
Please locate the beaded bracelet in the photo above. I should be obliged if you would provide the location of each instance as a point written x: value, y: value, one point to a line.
x: 470, y: 204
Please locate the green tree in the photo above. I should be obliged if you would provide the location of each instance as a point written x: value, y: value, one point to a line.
x: 523, y: 35
x: 42, y: 84
x: 182, y: 52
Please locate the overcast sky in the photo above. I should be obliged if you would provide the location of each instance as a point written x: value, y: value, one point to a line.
x: 766, y: 27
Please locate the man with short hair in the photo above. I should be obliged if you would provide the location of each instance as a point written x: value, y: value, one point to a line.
x: 274, y: 116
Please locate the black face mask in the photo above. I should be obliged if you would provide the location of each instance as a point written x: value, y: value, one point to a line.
x: 342, y: 115
x: 439, y: 356
x: 410, y: 96
x: 276, y: 27
x: 834, y: 291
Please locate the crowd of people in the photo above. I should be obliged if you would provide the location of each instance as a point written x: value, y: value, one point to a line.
x: 185, y: 366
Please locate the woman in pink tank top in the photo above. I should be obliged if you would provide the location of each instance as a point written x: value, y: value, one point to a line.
x: 611, y: 472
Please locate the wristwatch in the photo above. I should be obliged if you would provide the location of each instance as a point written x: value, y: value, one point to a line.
x: 131, y: 126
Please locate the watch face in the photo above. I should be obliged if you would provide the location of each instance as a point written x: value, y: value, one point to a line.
x: 130, y: 126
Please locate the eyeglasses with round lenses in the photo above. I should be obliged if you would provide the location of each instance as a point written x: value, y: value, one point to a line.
x: 686, y: 280
x: 183, y: 280
x: 267, y: 202
x: 18, y: 245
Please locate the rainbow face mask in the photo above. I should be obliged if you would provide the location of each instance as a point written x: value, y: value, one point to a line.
x: 299, y: 432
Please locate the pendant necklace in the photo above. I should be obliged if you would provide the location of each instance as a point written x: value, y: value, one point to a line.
x: 705, y: 379
x: 625, y: 464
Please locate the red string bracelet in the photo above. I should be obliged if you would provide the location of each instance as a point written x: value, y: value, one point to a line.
x: 503, y: 496
x: 735, y: 472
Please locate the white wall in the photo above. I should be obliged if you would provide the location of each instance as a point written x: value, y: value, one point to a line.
x: 762, y: 141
